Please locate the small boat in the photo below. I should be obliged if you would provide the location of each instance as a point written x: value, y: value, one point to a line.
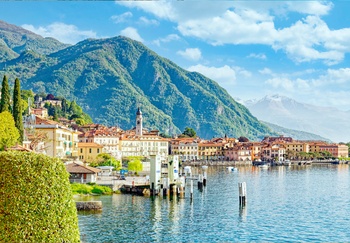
x: 231, y: 168
x: 287, y: 162
x: 263, y: 166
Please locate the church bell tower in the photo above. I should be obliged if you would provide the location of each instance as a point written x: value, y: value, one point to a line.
x: 139, y: 122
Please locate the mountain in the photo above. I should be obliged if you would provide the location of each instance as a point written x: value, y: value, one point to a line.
x: 297, y: 135
x: 280, y: 110
x: 111, y: 77
x: 14, y: 40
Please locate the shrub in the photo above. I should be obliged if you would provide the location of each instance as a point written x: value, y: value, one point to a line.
x: 36, y: 203
x: 102, y: 190
x: 81, y: 188
x: 90, y: 188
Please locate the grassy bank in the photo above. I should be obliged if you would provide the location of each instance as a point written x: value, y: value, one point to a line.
x: 90, y: 189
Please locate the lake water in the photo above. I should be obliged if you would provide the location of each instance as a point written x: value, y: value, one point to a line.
x: 284, y: 204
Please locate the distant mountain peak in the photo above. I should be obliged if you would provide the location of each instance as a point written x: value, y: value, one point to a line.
x: 289, y: 113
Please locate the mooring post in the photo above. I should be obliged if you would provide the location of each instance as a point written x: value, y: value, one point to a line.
x: 153, y: 192
x: 200, y: 183
x: 242, y: 193
x: 165, y: 187
x: 174, y: 191
x: 205, y: 178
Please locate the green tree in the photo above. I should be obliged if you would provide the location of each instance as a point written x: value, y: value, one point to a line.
x: 5, y: 104
x: 65, y: 106
x: 8, y: 132
x: 105, y: 159
x: 75, y: 109
x: 27, y: 95
x: 17, y: 109
x: 134, y: 163
x: 190, y: 132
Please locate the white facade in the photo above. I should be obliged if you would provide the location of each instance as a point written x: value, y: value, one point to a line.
x: 144, y: 146
x: 110, y: 145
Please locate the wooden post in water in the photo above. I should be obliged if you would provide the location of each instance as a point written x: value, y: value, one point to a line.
x: 242, y: 193
x: 165, y: 187
x: 174, y: 191
x: 200, y: 183
x: 153, y: 191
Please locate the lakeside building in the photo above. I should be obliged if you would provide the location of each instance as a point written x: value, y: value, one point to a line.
x: 88, y: 152
x: 337, y: 150
x: 61, y: 142
x: 239, y: 152
x: 186, y: 148
x: 141, y: 142
x: 275, y: 152
x: 211, y: 150
x: 108, y: 137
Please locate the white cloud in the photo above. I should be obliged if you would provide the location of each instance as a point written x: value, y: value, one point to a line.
x: 121, y: 18
x: 333, y: 76
x: 222, y: 75
x: 146, y: 21
x: 131, y: 33
x: 283, y: 83
x: 261, y: 56
x: 63, y: 32
x: 310, y: 7
x: 193, y: 54
x: 327, y: 81
x: 266, y: 71
x: 168, y: 38
x: 245, y: 22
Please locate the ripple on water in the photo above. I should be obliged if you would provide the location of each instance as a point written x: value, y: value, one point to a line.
x: 303, y: 204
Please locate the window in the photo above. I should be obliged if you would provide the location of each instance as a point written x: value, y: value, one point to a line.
x: 81, y: 150
x: 98, y: 150
x: 90, y: 151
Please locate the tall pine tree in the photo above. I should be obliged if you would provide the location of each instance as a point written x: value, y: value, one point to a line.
x: 17, y: 109
x: 5, y: 104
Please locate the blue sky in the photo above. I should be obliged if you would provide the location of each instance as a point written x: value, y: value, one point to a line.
x: 298, y: 49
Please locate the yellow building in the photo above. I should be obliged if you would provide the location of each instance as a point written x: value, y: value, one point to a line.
x: 296, y: 147
x: 211, y: 151
x: 88, y: 152
x: 61, y: 142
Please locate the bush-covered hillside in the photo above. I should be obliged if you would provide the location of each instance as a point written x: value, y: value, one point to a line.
x: 110, y: 78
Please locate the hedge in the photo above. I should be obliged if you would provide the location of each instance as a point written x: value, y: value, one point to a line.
x: 36, y: 203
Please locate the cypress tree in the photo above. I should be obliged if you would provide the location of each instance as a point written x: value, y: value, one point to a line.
x: 5, y: 104
x: 17, y: 109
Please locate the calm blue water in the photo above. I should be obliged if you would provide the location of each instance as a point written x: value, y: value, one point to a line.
x: 284, y: 204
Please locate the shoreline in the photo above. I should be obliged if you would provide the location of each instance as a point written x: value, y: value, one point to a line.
x: 250, y: 163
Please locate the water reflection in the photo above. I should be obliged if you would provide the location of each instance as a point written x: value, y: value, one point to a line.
x: 297, y: 203
x: 243, y: 213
